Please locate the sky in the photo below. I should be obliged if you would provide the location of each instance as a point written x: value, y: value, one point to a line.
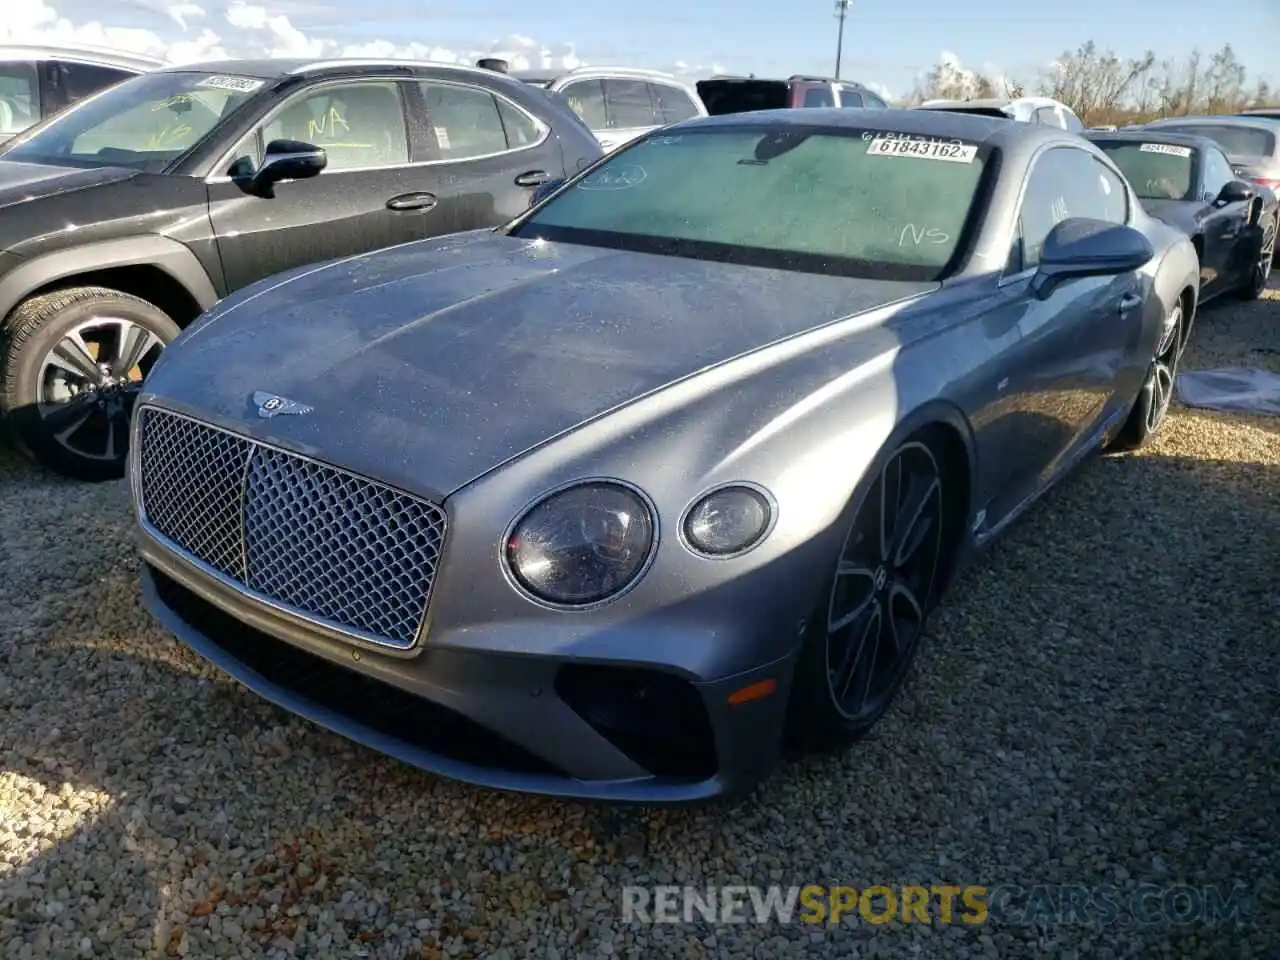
x: 888, y: 44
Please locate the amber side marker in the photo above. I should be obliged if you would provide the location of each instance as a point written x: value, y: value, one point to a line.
x: 753, y: 691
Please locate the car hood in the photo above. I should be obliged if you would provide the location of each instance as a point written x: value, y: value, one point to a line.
x: 1176, y: 213
x: 20, y: 182
x: 437, y: 361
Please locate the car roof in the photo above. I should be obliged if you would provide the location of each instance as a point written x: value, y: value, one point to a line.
x: 639, y: 73
x: 1152, y: 136
x: 1217, y: 120
x: 278, y: 68
x: 930, y: 123
x: 81, y: 52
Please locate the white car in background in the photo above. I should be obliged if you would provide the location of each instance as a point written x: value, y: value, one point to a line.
x: 618, y: 104
x: 1044, y: 110
x: 37, y: 81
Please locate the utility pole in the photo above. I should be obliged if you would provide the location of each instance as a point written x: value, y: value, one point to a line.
x: 842, y: 9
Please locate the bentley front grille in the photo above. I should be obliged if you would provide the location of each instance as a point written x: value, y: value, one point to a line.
x: 314, y: 540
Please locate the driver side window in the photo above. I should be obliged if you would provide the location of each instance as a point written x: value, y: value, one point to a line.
x: 1217, y: 173
x: 359, y: 125
x: 1065, y: 182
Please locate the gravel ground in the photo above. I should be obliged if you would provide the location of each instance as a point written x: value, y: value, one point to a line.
x: 1097, y: 705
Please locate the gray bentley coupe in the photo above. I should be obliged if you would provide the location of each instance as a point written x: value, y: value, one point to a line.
x: 621, y: 498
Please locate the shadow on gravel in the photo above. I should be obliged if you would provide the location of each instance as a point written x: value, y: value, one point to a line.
x: 1096, y: 705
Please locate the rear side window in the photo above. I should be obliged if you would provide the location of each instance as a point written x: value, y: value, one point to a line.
x: 19, y: 96
x: 819, y: 97
x: 1235, y: 141
x: 1049, y: 117
x: 627, y: 104
x: 465, y: 120
x: 672, y: 103
x: 75, y: 81
x: 521, y: 129
x: 849, y: 97
x: 586, y: 98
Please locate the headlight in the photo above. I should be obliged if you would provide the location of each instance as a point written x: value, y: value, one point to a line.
x: 728, y: 521
x: 582, y: 545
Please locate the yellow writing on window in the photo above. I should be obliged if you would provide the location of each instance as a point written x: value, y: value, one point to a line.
x: 171, y: 136
x: 327, y: 125
x: 176, y: 100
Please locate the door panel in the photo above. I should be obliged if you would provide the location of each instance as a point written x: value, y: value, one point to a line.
x: 492, y: 157
x: 1223, y: 226
x: 1074, y: 343
x: 343, y: 211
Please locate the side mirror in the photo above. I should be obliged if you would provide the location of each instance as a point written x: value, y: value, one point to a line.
x: 1235, y: 191
x: 1083, y: 247
x: 545, y: 190
x: 286, y: 160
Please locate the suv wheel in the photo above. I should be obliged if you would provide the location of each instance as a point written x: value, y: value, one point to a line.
x: 74, y: 367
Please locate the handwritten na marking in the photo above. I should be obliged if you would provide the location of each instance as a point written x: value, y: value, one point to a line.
x: 327, y: 125
x: 919, y: 235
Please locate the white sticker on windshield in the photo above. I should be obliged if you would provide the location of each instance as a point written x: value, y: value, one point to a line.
x: 234, y: 84
x: 442, y: 137
x: 1168, y: 148
x: 924, y: 148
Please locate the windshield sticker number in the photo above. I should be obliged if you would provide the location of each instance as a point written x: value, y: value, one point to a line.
x: 1166, y: 148
x: 234, y: 84
x: 923, y: 148
x: 619, y: 178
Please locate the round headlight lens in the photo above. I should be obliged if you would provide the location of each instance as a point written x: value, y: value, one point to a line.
x: 727, y: 521
x: 582, y: 545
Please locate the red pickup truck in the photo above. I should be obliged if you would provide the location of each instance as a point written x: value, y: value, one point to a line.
x: 745, y: 94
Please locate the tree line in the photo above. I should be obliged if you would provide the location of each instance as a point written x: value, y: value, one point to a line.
x: 1104, y: 88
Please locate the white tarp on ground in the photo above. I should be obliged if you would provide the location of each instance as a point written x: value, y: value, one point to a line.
x: 1239, y: 389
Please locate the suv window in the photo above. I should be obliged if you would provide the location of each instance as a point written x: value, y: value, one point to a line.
x: 1065, y: 182
x: 1217, y: 173
x: 466, y: 121
x: 1074, y: 123
x: 586, y: 98
x: 19, y: 96
x: 819, y: 97
x: 873, y: 101
x: 521, y: 129
x: 850, y: 97
x: 628, y: 105
x: 1048, y: 116
x: 359, y: 125
x: 672, y: 103
x: 75, y: 81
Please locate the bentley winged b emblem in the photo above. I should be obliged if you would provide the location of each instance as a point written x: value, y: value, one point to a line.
x: 269, y: 405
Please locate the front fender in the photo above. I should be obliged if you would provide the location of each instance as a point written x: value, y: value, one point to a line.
x: 150, y: 250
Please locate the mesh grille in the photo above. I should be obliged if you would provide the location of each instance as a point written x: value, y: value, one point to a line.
x: 311, y: 538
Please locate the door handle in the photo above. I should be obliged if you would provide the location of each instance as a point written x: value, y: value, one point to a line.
x: 534, y: 178
x: 412, y: 201
x: 1129, y: 302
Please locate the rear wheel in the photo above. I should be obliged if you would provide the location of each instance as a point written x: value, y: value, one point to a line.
x: 1256, y: 282
x: 74, y: 367
x: 863, y: 638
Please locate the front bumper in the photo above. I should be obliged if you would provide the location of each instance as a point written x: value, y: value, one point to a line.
x: 561, y: 726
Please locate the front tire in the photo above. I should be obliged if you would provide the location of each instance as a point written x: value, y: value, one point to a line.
x: 863, y: 638
x: 73, y: 370
x: 1151, y: 407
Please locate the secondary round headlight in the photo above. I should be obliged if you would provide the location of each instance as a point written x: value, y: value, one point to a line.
x: 582, y: 545
x: 728, y: 521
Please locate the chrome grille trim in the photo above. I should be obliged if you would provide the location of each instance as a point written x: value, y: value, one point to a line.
x: 311, y: 540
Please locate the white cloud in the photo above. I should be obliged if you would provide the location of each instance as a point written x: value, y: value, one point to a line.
x: 958, y: 82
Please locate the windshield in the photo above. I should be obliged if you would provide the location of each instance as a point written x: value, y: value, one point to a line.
x: 1235, y: 141
x: 144, y: 123
x: 1157, y: 171
x: 19, y: 96
x: 851, y: 202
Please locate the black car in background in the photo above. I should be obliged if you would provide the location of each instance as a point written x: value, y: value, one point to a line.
x: 38, y: 80
x: 1188, y: 182
x: 127, y: 215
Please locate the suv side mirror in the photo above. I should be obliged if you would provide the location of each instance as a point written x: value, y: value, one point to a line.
x: 285, y: 160
x: 1235, y: 191
x: 1083, y: 247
